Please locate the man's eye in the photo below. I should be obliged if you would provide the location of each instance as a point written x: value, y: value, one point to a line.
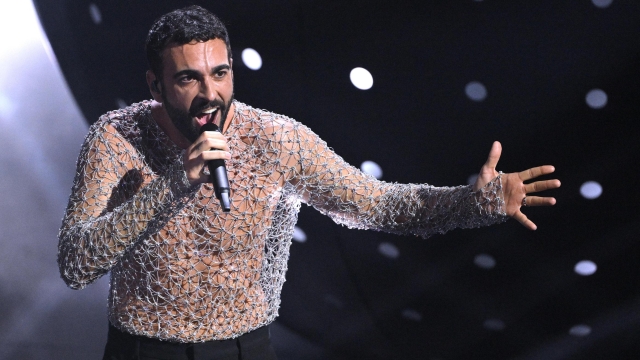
x: 221, y: 73
x: 186, y: 79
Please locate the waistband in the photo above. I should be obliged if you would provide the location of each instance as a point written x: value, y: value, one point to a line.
x: 145, y: 346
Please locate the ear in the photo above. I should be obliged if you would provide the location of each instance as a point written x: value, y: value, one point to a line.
x: 154, y: 86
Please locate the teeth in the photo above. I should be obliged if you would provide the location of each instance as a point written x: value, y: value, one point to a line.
x: 209, y: 111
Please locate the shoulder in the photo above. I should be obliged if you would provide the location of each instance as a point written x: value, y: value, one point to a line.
x: 118, y: 127
x: 125, y: 121
x: 268, y: 123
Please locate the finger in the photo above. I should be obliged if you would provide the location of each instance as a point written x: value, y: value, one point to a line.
x: 207, y: 144
x: 215, y: 155
x: 540, y: 201
x: 541, y: 186
x: 494, y: 155
x: 212, y: 134
x: 522, y: 219
x: 535, y: 172
x: 217, y: 144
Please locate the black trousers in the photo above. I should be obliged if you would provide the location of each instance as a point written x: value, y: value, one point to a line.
x: 254, y: 345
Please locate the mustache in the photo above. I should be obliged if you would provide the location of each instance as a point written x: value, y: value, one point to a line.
x: 197, y: 109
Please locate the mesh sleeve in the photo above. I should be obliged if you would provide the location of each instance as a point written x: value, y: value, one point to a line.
x: 358, y: 200
x: 112, y: 203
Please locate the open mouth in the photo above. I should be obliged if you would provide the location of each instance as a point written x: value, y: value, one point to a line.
x: 207, y: 116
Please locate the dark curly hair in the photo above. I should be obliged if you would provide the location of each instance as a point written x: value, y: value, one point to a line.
x: 182, y: 26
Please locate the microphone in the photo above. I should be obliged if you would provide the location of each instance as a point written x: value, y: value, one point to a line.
x: 218, y: 174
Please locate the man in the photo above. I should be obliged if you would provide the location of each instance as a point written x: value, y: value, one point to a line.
x: 188, y: 280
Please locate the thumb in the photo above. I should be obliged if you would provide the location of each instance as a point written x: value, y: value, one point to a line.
x: 494, y: 155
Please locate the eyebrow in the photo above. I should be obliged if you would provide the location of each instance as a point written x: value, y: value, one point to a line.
x: 195, y: 72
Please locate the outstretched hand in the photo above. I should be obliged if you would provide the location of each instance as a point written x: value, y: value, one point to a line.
x: 514, y: 188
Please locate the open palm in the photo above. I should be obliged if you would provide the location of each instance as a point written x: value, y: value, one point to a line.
x: 514, y: 188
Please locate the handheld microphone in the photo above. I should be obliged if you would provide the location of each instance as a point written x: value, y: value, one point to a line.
x: 218, y: 174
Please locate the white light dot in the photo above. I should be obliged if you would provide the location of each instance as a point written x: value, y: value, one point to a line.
x: 299, y: 235
x: 121, y: 103
x: 472, y: 179
x: 476, y: 91
x: 596, y: 99
x: 494, y: 324
x: 371, y: 168
x: 412, y: 315
x: 585, y: 268
x: 361, y: 78
x: 591, y: 190
x: 251, y: 59
x: 389, y: 250
x: 96, y: 15
x: 580, y: 330
x: 602, y: 3
x: 484, y: 261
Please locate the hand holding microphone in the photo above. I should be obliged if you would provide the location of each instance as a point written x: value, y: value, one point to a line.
x: 218, y: 174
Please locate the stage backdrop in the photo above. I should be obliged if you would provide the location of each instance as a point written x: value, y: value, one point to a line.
x: 557, y: 82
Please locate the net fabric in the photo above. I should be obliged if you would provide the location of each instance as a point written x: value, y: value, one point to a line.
x: 181, y: 269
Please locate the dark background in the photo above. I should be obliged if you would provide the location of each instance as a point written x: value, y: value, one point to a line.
x: 343, y: 298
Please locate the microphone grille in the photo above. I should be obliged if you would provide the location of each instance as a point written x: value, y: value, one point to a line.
x: 209, y: 127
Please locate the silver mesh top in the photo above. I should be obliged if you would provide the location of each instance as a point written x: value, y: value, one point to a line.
x: 181, y: 269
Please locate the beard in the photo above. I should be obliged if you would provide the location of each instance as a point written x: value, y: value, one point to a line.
x: 185, y: 122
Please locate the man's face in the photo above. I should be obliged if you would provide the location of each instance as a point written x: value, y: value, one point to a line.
x: 196, y: 85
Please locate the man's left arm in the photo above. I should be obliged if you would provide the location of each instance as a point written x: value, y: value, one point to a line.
x: 357, y: 200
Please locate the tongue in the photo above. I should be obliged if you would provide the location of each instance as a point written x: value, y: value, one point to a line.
x: 203, y: 118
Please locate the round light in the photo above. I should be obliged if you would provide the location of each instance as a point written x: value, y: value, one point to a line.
x: 580, y: 330
x: 95, y: 13
x: 389, y: 250
x: 361, y: 78
x: 121, y: 103
x: 494, y: 325
x: 596, y: 99
x: 602, y: 3
x: 476, y: 91
x: 484, y: 261
x: 472, y: 179
x: 251, y: 59
x: 412, y: 315
x: 299, y: 235
x: 591, y: 190
x: 585, y: 268
x: 371, y: 168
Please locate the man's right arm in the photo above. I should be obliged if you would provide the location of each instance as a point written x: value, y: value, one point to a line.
x: 94, y: 233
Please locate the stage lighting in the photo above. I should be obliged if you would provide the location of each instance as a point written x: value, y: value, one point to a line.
x: 602, y: 3
x: 585, y: 268
x: 361, y: 78
x: 412, y: 315
x: 299, y: 235
x: 371, y: 168
x: 591, y: 190
x: 389, y: 250
x: 251, y: 59
x: 596, y: 99
x: 476, y: 91
x: 580, y: 330
x: 484, y: 261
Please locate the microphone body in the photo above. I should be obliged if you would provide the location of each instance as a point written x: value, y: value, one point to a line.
x: 218, y: 174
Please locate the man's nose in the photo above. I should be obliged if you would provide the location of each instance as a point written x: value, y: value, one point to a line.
x: 208, y: 88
